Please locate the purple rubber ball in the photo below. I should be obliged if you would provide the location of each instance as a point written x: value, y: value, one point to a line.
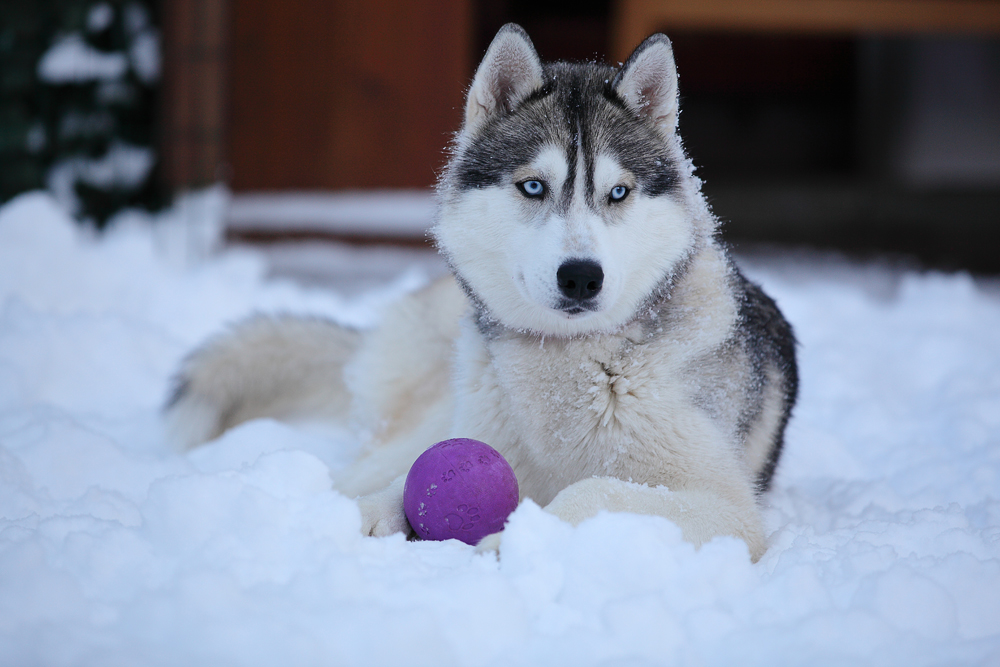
x: 459, y: 488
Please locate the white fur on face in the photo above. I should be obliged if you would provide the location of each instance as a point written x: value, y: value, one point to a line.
x: 508, y: 247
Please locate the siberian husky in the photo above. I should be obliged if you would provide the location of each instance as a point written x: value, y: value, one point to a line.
x: 594, y: 330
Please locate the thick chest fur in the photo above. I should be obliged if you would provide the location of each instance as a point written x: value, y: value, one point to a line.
x: 644, y: 404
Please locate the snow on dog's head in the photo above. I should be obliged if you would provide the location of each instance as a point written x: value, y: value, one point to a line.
x: 568, y: 203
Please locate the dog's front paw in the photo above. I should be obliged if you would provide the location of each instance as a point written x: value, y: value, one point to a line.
x: 382, y: 512
x: 489, y: 544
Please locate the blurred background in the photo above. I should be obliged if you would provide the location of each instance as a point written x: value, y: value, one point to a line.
x: 868, y: 126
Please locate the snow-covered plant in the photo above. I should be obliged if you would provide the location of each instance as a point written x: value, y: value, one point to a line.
x: 80, y: 109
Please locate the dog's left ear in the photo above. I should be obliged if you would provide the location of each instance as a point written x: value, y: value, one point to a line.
x: 509, y: 71
x: 648, y: 82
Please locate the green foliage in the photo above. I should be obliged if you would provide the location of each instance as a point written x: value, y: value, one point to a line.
x: 60, y: 123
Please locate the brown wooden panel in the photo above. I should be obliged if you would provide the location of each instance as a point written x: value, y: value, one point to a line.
x: 340, y: 94
x: 195, y: 69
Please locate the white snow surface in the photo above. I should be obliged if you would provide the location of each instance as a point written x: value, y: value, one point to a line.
x: 71, y: 60
x: 115, y: 550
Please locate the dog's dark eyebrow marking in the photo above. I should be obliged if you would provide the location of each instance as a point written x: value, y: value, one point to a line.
x: 587, y: 146
x: 576, y: 113
x: 572, y: 155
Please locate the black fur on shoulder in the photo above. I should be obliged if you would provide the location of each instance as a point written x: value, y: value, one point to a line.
x: 773, y: 342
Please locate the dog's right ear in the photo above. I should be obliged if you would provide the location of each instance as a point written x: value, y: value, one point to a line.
x: 509, y: 71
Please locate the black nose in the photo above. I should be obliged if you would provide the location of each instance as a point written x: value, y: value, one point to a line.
x: 580, y: 279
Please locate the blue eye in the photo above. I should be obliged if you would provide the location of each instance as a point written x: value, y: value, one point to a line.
x: 618, y: 193
x: 533, y: 189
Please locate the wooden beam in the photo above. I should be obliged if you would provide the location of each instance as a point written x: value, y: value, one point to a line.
x: 634, y: 20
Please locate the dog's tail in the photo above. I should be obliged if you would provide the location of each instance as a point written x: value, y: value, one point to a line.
x: 282, y: 367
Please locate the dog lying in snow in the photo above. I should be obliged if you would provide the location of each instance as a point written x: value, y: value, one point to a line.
x: 593, y: 330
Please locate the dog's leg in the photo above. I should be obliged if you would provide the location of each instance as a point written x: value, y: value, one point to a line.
x: 382, y: 512
x: 377, y: 478
x: 392, y: 382
x: 700, y: 514
x: 281, y: 367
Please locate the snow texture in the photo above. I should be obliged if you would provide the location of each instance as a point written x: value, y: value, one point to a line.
x: 72, y: 60
x: 114, y: 550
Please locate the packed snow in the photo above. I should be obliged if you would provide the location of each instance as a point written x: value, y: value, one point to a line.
x: 116, y: 550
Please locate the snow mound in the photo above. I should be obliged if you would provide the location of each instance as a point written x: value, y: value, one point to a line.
x: 885, y: 514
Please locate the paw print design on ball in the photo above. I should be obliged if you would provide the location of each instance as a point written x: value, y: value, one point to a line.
x: 463, y: 518
x: 459, y: 489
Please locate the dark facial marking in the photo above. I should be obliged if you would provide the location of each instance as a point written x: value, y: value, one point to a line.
x: 578, y: 109
x: 572, y: 155
x: 504, y: 142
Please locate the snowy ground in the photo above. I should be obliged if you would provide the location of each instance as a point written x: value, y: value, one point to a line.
x: 114, y: 550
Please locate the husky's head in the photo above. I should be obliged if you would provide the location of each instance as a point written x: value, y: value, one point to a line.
x: 568, y: 203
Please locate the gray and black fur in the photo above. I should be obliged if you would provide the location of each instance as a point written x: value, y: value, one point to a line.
x: 578, y: 97
x: 769, y: 340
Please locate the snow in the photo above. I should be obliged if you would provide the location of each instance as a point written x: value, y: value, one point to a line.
x: 99, y: 17
x: 72, y: 60
x: 405, y: 213
x: 122, y: 166
x: 115, y: 550
x: 144, y: 53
